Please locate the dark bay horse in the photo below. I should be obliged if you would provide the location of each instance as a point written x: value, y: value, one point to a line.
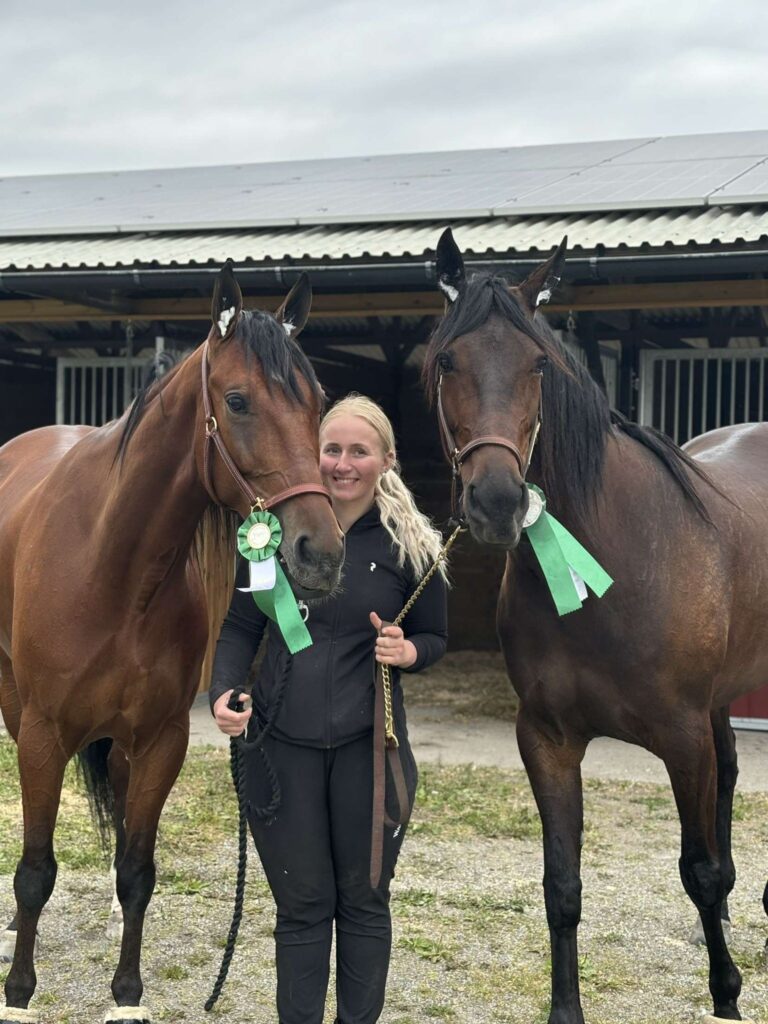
x: 103, y: 607
x: 682, y: 631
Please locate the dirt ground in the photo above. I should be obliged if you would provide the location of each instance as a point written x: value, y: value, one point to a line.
x: 470, y: 937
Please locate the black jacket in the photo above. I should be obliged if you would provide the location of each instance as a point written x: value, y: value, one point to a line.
x: 329, y: 694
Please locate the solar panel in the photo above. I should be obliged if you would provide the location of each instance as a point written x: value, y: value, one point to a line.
x: 614, y: 186
x: 718, y: 145
x: 746, y: 188
x: 620, y: 174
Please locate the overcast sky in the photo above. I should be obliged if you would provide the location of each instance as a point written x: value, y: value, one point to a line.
x: 103, y: 85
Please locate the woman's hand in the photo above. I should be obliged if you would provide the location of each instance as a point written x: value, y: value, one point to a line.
x: 392, y: 648
x: 231, y: 723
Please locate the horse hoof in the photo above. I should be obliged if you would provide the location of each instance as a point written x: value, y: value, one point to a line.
x: 18, y: 1015
x: 127, y: 1015
x: 115, y: 927
x: 696, y: 938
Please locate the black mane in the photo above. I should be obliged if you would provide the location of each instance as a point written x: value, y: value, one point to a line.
x: 576, y: 417
x: 282, y: 360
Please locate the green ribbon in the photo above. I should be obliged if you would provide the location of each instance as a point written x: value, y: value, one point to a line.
x: 558, y: 552
x: 258, y: 539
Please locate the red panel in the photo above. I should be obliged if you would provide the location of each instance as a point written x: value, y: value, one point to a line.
x: 755, y: 705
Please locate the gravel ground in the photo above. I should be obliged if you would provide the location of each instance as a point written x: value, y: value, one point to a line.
x: 470, y: 935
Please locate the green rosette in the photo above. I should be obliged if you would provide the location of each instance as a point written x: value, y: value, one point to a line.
x: 258, y: 539
x: 558, y: 551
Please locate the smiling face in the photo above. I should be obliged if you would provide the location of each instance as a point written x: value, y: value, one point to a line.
x: 351, y: 461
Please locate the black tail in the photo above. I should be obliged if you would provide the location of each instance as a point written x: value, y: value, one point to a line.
x: 92, y: 769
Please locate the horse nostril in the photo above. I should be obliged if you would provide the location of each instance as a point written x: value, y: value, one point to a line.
x: 302, y: 549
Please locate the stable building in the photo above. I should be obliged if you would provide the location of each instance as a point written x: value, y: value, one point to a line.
x: 664, y: 297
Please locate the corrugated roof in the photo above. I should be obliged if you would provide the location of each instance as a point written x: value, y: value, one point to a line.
x: 645, y: 173
x: 612, y: 231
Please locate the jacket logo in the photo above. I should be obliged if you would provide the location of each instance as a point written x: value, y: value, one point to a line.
x: 372, y: 566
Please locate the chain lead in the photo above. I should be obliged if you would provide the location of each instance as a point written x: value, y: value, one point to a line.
x: 389, y: 724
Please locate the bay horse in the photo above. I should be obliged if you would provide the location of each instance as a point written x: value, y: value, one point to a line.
x: 106, y: 539
x: 680, y: 634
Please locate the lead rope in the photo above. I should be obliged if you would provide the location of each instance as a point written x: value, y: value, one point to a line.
x: 385, y: 742
x: 389, y: 725
x: 237, y: 749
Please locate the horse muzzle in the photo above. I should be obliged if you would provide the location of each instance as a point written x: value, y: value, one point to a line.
x: 494, y: 506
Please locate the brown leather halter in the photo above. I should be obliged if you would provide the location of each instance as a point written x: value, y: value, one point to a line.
x: 212, y: 435
x: 456, y: 455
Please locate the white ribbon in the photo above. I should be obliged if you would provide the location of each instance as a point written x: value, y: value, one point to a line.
x: 578, y: 582
x: 262, y: 576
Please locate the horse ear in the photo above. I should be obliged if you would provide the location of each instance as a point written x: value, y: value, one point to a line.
x: 294, y: 311
x: 539, y: 285
x: 227, y: 303
x: 449, y: 267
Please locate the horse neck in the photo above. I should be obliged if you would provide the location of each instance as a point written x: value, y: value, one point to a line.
x: 156, y: 498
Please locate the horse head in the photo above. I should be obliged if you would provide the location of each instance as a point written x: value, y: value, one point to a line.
x: 484, y: 369
x: 264, y: 402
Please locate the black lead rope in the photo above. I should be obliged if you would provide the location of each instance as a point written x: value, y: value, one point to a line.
x: 238, y: 747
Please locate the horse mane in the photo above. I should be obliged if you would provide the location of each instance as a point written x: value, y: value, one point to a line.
x: 282, y: 359
x: 576, y: 417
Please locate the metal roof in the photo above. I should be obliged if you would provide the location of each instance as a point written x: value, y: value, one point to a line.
x: 611, y: 231
x: 653, y: 172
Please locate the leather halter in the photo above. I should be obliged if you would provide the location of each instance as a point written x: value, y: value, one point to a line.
x: 212, y: 435
x: 456, y: 455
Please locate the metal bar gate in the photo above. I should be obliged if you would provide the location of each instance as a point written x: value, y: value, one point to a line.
x: 686, y: 392
x: 94, y: 391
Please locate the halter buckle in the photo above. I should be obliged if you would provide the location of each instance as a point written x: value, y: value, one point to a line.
x: 211, y: 426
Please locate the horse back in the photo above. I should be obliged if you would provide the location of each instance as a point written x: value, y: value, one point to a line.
x: 27, y: 459
x: 736, y: 458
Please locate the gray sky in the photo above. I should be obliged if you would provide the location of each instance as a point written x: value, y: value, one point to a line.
x: 99, y: 86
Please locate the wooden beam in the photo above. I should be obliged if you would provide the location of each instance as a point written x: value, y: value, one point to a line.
x: 659, y: 295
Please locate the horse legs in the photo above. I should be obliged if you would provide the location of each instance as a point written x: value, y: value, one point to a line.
x: 11, y: 712
x: 689, y: 755
x: 119, y: 775
x: 41, y: 768
x: 554, y: 770
x: 727, y: 773
x: 151, y: 777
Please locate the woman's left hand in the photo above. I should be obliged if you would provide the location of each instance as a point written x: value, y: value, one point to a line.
x: 392, y: 648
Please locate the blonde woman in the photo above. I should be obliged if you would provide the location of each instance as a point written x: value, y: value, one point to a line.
x: 316, y: 847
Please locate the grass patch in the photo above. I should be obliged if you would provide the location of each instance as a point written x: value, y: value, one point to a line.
x: 425, y: 948
x: 457, y: 801
x: 174, y: 973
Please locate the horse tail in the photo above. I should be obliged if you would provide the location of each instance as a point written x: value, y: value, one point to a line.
x: 215, y: 551
x: 92, y: 769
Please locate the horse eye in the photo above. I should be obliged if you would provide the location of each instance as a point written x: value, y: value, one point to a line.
x: 236, y: 403
x: 541, y: 362
x: 445, y: 362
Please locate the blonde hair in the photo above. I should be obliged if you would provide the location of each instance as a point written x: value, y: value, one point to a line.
x: 412, y: 533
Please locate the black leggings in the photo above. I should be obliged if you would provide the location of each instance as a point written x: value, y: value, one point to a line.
x: 316, y: 855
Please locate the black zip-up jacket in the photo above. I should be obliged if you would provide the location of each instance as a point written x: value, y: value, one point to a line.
x: 330, y: 693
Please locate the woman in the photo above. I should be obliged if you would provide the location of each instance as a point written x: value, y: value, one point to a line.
x: 316, y: 848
